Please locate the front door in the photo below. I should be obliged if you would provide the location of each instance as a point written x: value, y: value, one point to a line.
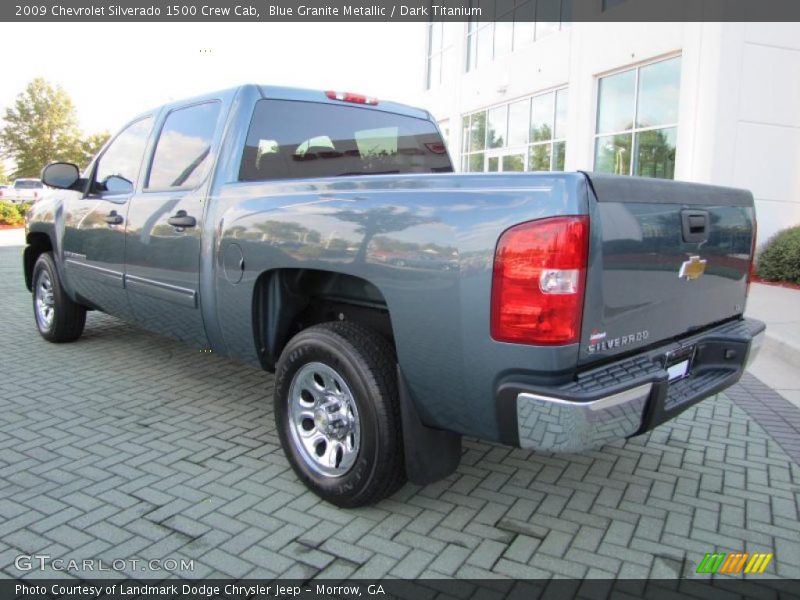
x: 162, y: 255
x: 94, y: 233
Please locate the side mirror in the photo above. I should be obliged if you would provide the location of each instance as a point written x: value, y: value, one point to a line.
x: 116, y: 184
x: 61, y: 175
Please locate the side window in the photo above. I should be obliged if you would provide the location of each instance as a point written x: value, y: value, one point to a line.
x: 183, y: 147
x: 118, y: 167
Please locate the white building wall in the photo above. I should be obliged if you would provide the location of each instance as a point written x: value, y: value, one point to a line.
x: 739, y: 110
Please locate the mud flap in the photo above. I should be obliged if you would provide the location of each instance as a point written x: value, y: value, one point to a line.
x: 431, y: 454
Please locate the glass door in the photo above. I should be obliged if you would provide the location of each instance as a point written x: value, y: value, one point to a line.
x: 505, y: 160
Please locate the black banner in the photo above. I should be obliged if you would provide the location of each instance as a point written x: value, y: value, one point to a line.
x: 395, y: 589
x: 407, y: 11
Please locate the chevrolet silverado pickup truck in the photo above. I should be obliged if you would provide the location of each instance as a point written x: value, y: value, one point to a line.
x: 323, y: 237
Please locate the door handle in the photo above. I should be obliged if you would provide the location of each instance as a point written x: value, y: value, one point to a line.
x: 113, y: 218
x: 695, y: 225
x: 181, y: 219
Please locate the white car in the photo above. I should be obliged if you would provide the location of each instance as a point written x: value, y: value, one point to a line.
x: 25, y: 191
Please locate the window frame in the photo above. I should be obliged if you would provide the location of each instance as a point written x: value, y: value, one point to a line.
x: 446, y: 45
x: 162, y: 124
x: 635, y: 129
x: 466, y: 152
x: 476, y: 27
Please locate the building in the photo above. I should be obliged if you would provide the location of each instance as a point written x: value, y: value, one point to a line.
x: 706, y: 102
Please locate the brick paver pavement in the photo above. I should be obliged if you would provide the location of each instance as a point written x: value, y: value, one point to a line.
x: 127, y: 445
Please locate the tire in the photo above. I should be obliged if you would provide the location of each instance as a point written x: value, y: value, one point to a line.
x: 345, y: 441
x: 57, y: 317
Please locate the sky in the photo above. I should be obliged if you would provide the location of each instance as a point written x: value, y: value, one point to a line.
x: 113, y: 71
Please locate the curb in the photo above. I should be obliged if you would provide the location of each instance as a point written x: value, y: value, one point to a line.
x: 789, y: 353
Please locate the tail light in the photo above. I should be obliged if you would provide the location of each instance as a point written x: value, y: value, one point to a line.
x: 751, y: 270
x: 538, y: 281
x: 349, y: 97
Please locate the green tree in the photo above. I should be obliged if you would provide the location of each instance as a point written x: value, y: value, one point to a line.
x: 42, y: 127
x: 2, y: 172
x: 39, y: 128
x: 90, y: 146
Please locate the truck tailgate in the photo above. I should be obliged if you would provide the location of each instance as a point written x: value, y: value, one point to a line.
x: 666, y: 258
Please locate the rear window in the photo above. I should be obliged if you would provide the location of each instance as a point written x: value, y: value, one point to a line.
x: 28, y: 185
x: 290, y: 139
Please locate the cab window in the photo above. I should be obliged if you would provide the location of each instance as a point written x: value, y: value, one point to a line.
x: 291, y: 139
x: 117, y: 169
x: 184, y: 145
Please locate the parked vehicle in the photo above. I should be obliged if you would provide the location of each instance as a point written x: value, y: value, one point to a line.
x: 322, y: 236
x: 26, y: 191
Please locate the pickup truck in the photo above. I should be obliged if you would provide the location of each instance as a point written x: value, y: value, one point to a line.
x: 323, y: 237
x: 25, y: 191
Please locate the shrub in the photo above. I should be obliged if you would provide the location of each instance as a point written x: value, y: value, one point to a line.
x: 780, y: 258
x: 11, y: 214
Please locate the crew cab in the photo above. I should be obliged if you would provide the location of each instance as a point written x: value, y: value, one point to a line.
x: 324, y: 237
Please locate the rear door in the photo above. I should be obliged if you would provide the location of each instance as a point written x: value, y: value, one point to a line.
x: 162, y: 248
x: 94, y: 233
x: 667, y: 258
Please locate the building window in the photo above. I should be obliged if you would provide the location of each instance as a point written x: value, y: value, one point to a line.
x: 637, y: 120
x: 440, y: 50
x: 524, y: 135
x: 506, y: 25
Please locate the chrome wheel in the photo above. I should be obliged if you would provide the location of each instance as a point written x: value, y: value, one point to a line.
x: 323, y: 420
x: 45, y: 302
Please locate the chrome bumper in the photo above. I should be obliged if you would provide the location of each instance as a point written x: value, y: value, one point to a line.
x: 619, y: 400
x: 557, y: 425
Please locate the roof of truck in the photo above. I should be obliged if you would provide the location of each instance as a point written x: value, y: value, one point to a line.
x: 300, y: 94
x: 306, y: 95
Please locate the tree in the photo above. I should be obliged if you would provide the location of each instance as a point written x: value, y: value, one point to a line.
x: 91, y: 146
x: 42, y: 127
x: 2, y: 172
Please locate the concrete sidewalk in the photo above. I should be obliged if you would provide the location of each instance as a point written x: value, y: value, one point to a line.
x: 12, y: 237
x: 778, y: 364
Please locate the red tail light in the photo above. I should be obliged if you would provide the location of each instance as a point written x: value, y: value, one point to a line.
x: 538, y: 281
x: 349, y: 97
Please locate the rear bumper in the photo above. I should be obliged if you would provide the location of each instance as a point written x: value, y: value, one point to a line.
x: 631, y: 396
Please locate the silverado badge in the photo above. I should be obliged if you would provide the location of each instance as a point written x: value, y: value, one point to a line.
x: 692, y: 268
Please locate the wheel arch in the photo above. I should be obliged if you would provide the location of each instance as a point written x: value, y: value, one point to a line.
x: 38, y: 243
x: 288, y: 300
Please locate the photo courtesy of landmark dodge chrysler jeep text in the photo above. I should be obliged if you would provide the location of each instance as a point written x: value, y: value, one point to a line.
x: 323, y: 236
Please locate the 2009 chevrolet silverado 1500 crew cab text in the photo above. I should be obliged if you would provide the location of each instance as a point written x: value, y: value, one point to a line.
x: 322, y: 236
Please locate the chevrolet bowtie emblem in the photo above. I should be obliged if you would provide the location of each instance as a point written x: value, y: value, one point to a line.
x: 692, y: 268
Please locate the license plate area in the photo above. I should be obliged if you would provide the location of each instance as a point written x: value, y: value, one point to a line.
x: 678, y: 363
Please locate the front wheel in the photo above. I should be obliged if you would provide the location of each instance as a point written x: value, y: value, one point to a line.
x: 338, y: 413
x: 58, y: 318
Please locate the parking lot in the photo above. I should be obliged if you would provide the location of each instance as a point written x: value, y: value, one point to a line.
x: 126, y: 444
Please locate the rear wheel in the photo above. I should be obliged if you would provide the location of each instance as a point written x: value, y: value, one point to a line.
x: 58, y: 318
x: 338, y: 414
